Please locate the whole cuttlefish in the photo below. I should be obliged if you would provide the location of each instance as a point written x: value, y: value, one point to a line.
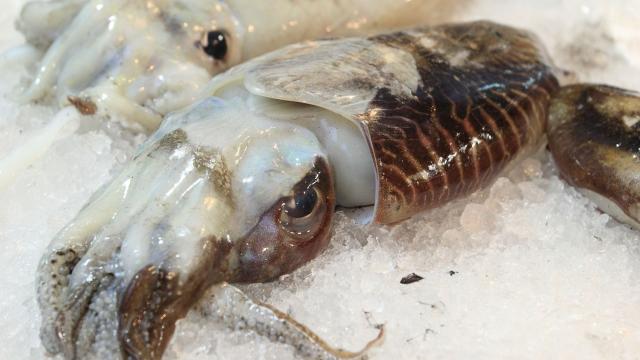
x: 242, y: 185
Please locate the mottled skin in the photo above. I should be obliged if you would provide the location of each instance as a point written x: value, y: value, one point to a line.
x: 594, y: 136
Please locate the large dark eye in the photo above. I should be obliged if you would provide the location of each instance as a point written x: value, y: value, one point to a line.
x: 301, y: 204
x: 214, y: 44
x: 303, y: 211
x: 293, y: 231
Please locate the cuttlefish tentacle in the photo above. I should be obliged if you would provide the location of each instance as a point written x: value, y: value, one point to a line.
x: 239, y: 312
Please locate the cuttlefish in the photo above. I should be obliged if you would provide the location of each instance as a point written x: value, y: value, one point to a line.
x: 242, y: 185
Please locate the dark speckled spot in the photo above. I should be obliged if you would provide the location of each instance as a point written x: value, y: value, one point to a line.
x: 173, y: 140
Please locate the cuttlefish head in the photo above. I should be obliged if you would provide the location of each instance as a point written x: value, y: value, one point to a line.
x: 218, y: 195
x: 139, y: 59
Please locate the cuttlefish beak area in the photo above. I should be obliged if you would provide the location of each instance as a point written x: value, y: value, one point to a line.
x: 594, y: 137
x: 208, y: 201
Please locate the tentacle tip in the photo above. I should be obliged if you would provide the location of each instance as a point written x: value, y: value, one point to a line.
x: 375, y: 342
x: 360, y: 354
x: 49, y: 341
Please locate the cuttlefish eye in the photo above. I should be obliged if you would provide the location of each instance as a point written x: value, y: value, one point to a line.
x: 214, y: 44
x: 302, y: 210
x: 292, y: 232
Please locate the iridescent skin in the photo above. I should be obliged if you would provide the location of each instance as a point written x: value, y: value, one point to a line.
x: 241, y: 186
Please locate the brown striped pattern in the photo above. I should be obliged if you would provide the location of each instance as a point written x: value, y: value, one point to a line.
x: 483, y: 99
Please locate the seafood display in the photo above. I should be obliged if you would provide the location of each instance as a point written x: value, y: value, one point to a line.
x: 144, y: 59
x: 242, y: 185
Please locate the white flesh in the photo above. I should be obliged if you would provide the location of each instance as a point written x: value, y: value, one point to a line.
x: 347, y: 149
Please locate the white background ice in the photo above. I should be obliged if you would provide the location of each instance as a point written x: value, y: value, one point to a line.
x: 525, y: 269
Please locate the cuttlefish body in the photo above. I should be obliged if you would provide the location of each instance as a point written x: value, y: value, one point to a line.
x: 143, y: 59
x: 242, y: 185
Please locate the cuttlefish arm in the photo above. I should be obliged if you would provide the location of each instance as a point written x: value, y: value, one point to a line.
x: 237, y: 311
